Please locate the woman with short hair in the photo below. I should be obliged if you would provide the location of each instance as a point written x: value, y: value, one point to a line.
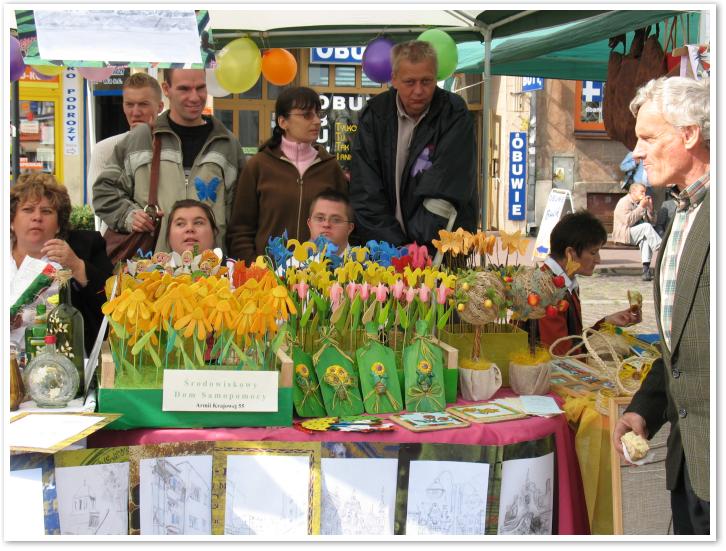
x: 40, y: 210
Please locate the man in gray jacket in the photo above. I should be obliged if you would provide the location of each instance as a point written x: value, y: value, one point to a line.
x: 200, y: 159
x: 633, y: 225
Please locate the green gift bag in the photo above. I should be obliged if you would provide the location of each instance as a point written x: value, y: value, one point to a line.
x: 306, y: 395
x: 378, y: 375
x: 423, y: 366
x: 338, y: 380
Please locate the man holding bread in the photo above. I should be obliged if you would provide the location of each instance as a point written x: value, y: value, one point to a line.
x: 673, y: 130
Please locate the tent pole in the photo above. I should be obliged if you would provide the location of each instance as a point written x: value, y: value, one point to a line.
x: 15, y: 121
x: 486, y: 125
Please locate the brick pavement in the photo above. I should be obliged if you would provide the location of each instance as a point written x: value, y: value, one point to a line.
x: 604, y: 293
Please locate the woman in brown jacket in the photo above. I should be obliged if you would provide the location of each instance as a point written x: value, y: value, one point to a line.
x: 278, y: 184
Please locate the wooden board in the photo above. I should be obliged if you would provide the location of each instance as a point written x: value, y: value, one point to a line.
x: 641, y: 502
x: 457, y: 423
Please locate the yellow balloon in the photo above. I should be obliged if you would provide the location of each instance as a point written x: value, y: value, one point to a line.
x: 48, y: 70
x: 238, y: 65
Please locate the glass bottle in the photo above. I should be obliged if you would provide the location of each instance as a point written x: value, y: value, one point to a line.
x: 35, y: 333
x: 66, y: 323
x: 17, y: 390
x: 51, y: 378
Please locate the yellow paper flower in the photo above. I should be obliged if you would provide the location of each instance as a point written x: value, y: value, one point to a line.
x: 194, y: 322
x: 282, y: 304
x: 572, y: 266
x: 514, y: 242
x: 378, y: 369
x: 349, y: 271
x: 424, y: 367
x: 300, y: 250
x: 358, y: 253
x: 130, y: 307
x: 302, y: 370
x: 243, y: 323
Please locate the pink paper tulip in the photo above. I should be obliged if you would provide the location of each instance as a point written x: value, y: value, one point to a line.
x: 302, y: 289
x: 350, y: 289
x: 442, y: 292
x: 397, y: 289
x: 424, y: 293
x: 381, y: 292
x: 410, y: 294
x: 336, y: 293
x: 419, y: 256
x: 365, y: 291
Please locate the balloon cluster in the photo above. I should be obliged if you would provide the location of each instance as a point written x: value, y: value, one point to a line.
x: 240, y: 63
x: 377, y: 56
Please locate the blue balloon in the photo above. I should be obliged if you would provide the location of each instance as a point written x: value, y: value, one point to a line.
x: 377, y: 60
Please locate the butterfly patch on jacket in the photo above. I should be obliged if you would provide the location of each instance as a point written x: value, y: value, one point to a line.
x: 207, y: 190
x: 423, y: 161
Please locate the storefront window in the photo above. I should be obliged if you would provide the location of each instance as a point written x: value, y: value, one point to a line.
x: 37, y: 136
x: 345, y: 76
x: 368, y: 83
x: 589, y: 98
x: 318, y: 75
x: 274, y: 91
x: 255, y: 92
x: 225, y: 117
x: 249, y: 130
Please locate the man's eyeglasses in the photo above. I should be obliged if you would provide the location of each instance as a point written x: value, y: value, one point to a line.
x: 310, y: 115
x: 333, y: 220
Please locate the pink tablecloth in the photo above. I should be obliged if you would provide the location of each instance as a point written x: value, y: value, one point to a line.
x: 571, y: 507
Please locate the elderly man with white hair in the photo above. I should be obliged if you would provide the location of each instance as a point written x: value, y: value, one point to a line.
x: 673, y: 130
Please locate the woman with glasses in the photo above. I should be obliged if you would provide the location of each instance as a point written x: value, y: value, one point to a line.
x: 278, y: 184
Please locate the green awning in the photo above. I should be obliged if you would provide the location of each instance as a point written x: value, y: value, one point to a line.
x: 573, y: 51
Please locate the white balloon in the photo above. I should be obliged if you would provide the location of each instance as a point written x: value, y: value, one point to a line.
x: 214, y: 88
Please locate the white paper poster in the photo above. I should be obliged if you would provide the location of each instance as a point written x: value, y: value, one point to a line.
x: 525, y: 501
x: 93, y: 499
x: 359, y: 496
x: 447, y: 498
x: 146, y: 36
x: 176, y: 495
x: 24, y: 520
x: 267, y: 495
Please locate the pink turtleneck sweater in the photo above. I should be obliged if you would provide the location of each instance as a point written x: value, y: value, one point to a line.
x: 302, y: 155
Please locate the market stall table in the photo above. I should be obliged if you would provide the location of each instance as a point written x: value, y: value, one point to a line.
x: 570, y: 502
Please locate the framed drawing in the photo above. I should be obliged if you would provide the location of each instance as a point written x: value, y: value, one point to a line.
x: 423, y: 422
x: 487, y: 412
x: 641, y: 503
x: 170, y: 486
x: 266, y: 489
x: 93, y: 491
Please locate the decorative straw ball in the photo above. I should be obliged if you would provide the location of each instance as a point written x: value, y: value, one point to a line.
x: 483, y: 296
x: 532, y: 291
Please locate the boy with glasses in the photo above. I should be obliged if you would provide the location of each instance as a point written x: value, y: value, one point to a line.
x: 331, y: 215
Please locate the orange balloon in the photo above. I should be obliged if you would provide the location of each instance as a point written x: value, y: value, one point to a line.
x: 279, y: 66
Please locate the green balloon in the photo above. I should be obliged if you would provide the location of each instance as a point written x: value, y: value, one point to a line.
x: 446, y: 52
x: 238, y: 65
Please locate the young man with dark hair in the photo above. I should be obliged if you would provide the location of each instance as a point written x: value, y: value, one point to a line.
x: 200, y: 159
x: 575, y: 244
x: 331, y: 215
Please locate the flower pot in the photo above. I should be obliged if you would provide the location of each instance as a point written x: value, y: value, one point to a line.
x: 530, y: 379
x: 479, y: 384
